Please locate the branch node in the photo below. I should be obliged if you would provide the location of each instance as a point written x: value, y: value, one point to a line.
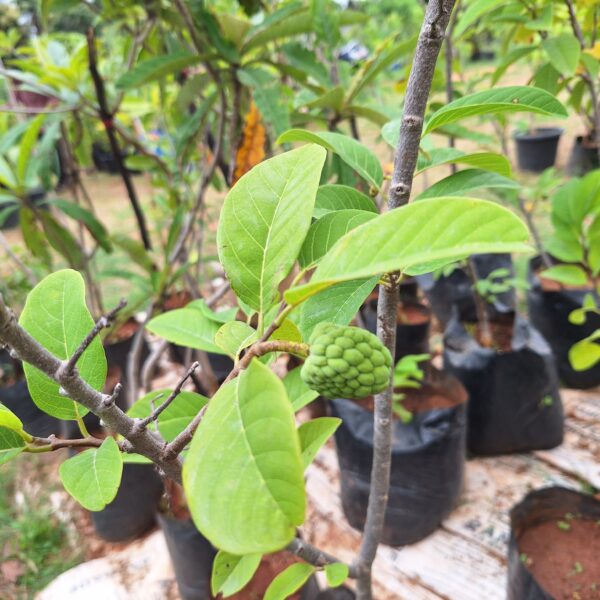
x: 13, y: 354
x: 63, y: 392
x: 412, y: 121
x: 109, y: 400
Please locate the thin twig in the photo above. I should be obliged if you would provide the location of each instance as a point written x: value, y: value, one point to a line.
x: 101, y: 324
x: 315, y: 556
x: 52, y: 443
x: 107, y: 117
x: 134, y: 358
x: 437, y: 17
x: 176, y: 391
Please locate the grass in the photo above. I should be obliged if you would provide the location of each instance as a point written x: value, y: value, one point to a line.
x: 35, y: 545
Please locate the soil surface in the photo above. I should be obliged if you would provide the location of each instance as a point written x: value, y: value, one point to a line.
x: 502, y: 334
x: 270, y: 566
x: 177, y: 300
x: 564, y: 557
x: 443, y: 393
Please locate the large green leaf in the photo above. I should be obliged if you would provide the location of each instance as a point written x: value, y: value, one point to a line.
x: 488, y: 161
x: 298, y: 392
x: 11, y: 444
x: 313, y: 434
x: 93, y: 476
x: 331, y: 197
x: 336, y: 304
x: 264, y: 220
x: 176, y: 417
x: 495, y: 101
x: 289, y: 581
x: 352, y: 152
x: 56, y: 316
x: 156, y: 68
x: 327, y: 230
x: 438, y: 229
x: 252, y: 502
x: 230, y: 573
x: 564, y: 51
x: 187, y: 327
x: 463, y: 182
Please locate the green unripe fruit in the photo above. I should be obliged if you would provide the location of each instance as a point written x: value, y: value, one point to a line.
x: 346, y: 362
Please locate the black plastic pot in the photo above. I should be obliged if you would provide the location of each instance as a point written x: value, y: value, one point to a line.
x: 133, y: 511
x: 192, y: 556
x: 428, y: 457
x: 411, y: 338
x: 549, y: 311
x: 514, y: 402
x: 340, y: 593
x: 36, y: 197
x: 16, y: 398
x: 104, y: 159
x: 536, y: 149
x: 540, y: 506
x: 454, y: 292
x: 584, y: 156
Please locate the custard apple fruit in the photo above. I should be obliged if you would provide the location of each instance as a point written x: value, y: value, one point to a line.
x: 346, y: 362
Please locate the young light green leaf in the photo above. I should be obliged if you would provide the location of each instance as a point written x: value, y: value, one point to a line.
x: 495, y: 101
x: 187, y: 327
x: 156, y: 68
x: 564, y: 51
x: 9, y: 420
x: 220, y: 316
x: 415, y: 234
x: 264, y: 220
x: 298, y: 392
x: 176, y: 417
x: 287, y: 331
x: 327, y: 230
x: 337, y: 304
x: 230, y: 572
x: 313, y: 434
x: 488, y: 161
x: 56, y: 316
x: 566, y: 274
x: 254, y: 501
x: 332, y: 197
x: 352, y: 152
x: 234, y: 336
x: 336, y: 574
x: 93, y: 476
x: 11, y: 444
x: 585, y: 353
x: 289, y: 581
x: 464, y: 182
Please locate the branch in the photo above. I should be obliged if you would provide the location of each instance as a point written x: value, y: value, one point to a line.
x: 101, y: 324
x: 52, y: 443
x: 259, y: 349
x: 575, y: 23
x: 314, y: 556
x: 107, y: 117
x: 437, y: 17
x: 147, y: 443
x: 160, y: 409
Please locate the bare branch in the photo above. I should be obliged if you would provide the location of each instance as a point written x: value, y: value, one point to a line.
x: 314, y: 556
x: 101, y: 324
x: 437, y: 17
x: 107, y: 116
x: 24, y: 347
x: 52, y: 443
x: 176, y: 391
